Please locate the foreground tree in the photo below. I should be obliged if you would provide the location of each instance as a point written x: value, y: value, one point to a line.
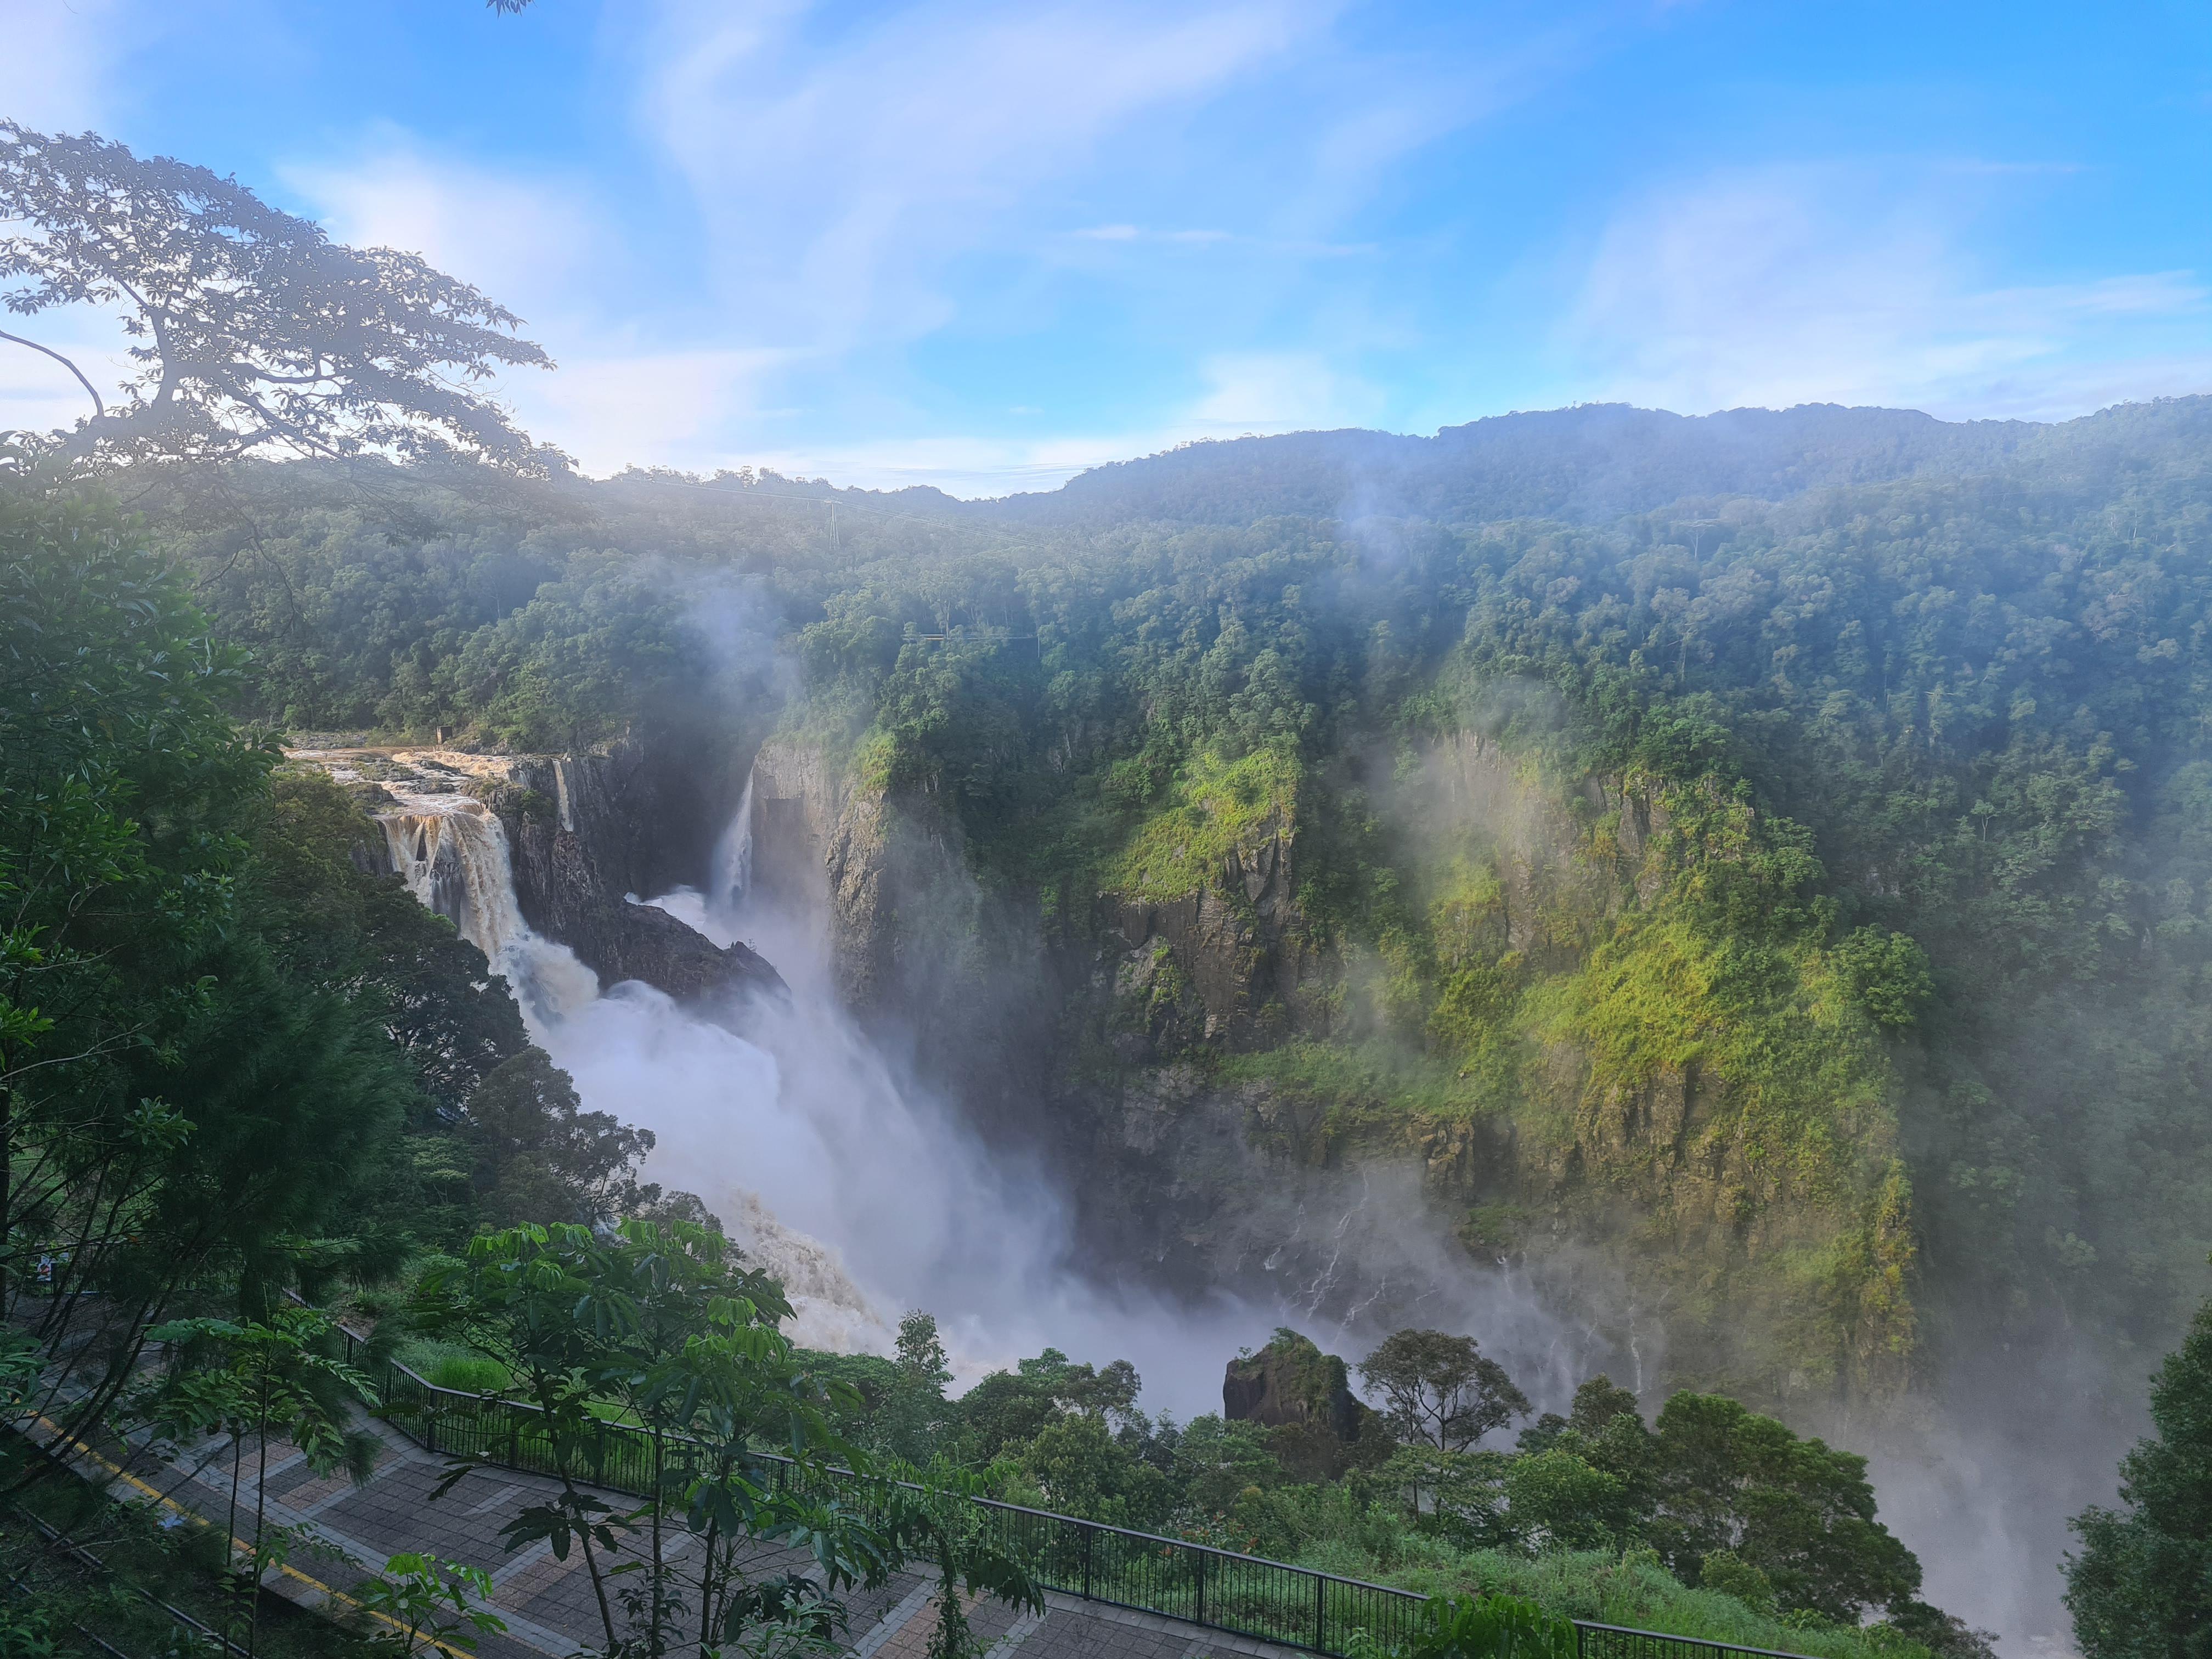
x: 662, y: 1320
x: 2142, y: 1586
x: 252, y: 330
x: 1441, y: 1389
x: 178, y: 1112
x: 1732, y: 1483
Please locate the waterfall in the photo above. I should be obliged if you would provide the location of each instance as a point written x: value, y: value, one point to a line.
x: 862, y: 1189
x: 452, y: 852
x: 633, y: 1051
x: 733, y: 855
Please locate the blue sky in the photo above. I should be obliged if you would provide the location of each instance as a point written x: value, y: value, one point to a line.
x: 983, y: 245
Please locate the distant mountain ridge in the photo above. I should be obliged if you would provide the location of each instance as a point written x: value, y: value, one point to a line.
x: 1587, y: 464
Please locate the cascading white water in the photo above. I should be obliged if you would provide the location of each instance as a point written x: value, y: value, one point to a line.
x: 630, y: 1051
x: 881, y: 1198
x: 733, y: 855
x: 451, y: 850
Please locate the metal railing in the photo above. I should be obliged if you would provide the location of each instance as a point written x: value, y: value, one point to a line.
x: 1595, y: 1641
x: 1241, y: 1594
x: 1244, y: 1595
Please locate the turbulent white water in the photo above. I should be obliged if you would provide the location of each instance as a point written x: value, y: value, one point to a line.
x: 867, y: 1196
x: 451, y: 850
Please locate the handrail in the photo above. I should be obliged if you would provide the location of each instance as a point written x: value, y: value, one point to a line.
x: 1248, y: 1595
x: 1703, y: 1642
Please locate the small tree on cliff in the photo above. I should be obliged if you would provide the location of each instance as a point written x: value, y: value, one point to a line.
x: 1440, y: 1390
x: 2142, y: 1587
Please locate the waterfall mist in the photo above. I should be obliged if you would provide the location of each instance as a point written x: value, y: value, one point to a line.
x: 868, y: 1194
x: 852, y: 1150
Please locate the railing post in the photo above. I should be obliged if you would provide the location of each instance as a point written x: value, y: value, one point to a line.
x: 1200, y: 1610
x: 430, y: 1421
x: 1089, y: 1533
x: 1321, y: 1614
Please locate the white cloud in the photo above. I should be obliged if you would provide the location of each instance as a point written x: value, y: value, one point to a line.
x: 1280, y: 392
x: 523, y: 240
x: 611, y: 409
x: 1791, y: 285
x: 841, y: 174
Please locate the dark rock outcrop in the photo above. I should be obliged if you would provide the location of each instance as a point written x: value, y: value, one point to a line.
x: 571, y: 824
x: 1292, y: 1382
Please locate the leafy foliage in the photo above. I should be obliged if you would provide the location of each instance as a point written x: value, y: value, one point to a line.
x: 1441, y: 1389
x: 2141, y: 1584
x: 251, y: 329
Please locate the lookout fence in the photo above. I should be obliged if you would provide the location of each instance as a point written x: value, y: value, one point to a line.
x: 1197, y: 1583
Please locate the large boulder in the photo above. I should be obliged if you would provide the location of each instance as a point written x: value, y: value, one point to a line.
x: 1290, y: 1382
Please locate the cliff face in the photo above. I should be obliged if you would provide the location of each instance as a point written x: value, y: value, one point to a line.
x: 1231, y: 963
x: 1537, y: 1106
x: 575, y: 825
x: 944, y: 973
x: 846, y: 859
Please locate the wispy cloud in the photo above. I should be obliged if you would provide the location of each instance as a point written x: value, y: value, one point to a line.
x: 1244, y: 394
x: 1841, y: 284
x: 57, y: 67
x: 840, y: 170
x: 528, y: 241
x: 544, y: 247
x: 1139, y: 234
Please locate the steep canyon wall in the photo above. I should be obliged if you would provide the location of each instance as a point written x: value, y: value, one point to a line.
x: 1219, y: 1080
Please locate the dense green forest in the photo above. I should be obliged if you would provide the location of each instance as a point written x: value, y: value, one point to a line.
x: 240, y: 1065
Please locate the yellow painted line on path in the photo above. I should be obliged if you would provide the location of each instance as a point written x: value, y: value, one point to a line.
x: 238, y: 1545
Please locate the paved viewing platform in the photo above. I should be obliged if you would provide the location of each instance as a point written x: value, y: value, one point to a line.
x: 548, y: 1604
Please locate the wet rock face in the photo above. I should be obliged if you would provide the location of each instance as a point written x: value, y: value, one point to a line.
x: 798, y: 794
x: 1292, y: 1384
x: 573, y: 823
x: 1231, y: 963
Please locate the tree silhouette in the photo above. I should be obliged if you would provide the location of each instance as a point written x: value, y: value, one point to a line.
x: 253, y: 330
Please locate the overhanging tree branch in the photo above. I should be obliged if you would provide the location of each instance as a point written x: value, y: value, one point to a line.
x: 99, y: 407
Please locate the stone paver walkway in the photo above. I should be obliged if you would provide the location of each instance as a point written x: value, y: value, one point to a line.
x: 548, y: 1605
